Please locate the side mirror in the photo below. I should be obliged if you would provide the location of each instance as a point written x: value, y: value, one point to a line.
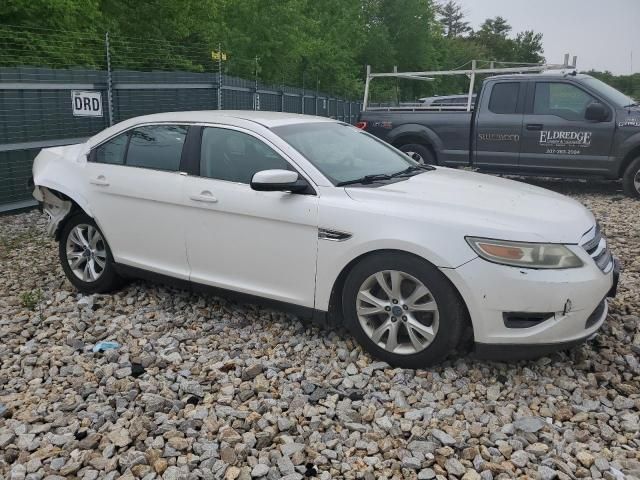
x: 596, y: 112
x: 278, y: 181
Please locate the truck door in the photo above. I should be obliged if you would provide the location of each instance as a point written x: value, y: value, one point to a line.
x: 498, y: 126
x: 556, y: 135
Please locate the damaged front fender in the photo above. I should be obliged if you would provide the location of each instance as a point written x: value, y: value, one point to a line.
x: 55, y: 207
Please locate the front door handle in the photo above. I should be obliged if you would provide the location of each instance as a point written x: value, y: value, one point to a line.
x: 205, y: 196
x: 534, y: 126
x: 100, y: 181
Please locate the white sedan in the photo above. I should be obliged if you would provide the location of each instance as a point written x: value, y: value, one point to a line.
x: 318, y: 216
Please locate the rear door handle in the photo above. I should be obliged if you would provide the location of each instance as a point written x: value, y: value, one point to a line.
x: 100, y: 181
x: 534, y: 126
x: 206, y: 196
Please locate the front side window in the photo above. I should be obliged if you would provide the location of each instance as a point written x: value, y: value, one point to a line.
x: 236, y: 156
x: 561, y: 99
x: 158, y: 147
x: 112, y: 152
x: 504, y: 98
x: 342, y: 152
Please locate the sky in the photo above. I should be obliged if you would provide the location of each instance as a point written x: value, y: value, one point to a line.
x: 602, y: 33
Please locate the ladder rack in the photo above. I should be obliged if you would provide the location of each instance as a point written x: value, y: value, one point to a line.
x: 471, y: 73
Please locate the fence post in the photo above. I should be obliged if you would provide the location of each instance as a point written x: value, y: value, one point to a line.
x: 219, y: 76
x: 282, y: 98
x: 109, y: 80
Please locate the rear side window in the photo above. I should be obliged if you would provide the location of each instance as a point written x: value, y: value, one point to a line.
x: 112, y: 152
x: 504, y: 97
x: 158, y: 147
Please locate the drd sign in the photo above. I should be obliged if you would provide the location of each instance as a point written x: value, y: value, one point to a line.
x: 86, y: 104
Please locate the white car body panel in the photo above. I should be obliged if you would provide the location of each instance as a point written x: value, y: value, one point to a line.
x: 259, y: 243
x: 142, y: 214
x: 226, y: 235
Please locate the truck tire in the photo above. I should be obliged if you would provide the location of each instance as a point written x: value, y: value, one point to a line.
x: 631, y: 179
x: 419, y: 153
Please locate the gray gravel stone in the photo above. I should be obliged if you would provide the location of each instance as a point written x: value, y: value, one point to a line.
x: 265, y: 390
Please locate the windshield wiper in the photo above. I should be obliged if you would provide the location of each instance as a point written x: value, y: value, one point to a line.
x: 365, y: 179
x: 411, y: 169
x: 635, y: 104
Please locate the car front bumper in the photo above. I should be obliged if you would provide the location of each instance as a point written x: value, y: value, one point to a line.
x: 568, y: 306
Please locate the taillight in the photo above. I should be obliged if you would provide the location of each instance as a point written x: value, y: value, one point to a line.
x: 361, y: 125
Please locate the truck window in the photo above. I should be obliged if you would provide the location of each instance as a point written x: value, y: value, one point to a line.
x: 504, y: 97
x: 561, y: 99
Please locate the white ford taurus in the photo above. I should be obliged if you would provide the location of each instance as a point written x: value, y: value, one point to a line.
x: 319, y: 216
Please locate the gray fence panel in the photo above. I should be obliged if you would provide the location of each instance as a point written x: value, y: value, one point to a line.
x: 15, y: 175
x: 35, y: 109
x: 292, y: 104
x: 270, y: 101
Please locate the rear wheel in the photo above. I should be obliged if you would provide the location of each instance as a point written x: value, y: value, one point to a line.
x: 85, y: 256
x: 419, y: 153
x: 403, y: 310
x: 631, y: 179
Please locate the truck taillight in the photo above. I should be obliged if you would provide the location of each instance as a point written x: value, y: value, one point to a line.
x: 361, y: 125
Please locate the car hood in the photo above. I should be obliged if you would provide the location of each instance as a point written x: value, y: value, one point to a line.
x: 482, y: 205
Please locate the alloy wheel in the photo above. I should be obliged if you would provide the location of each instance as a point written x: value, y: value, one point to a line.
x: 636, y: 181
x: 397, y: 312
x: 86, y: 252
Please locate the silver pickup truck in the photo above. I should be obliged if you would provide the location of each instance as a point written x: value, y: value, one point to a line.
x: 568, y: 125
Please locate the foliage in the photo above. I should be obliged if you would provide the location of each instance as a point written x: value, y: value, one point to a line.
x: 452, y: 20
x: 628, y: 84
x: 31, y: 299
x: 316, y: 45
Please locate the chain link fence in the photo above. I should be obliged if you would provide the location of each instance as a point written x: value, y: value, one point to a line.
x: 41, y: 73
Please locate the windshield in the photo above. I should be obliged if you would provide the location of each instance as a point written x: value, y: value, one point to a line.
x: 616, y: 96
x: 342, y: 152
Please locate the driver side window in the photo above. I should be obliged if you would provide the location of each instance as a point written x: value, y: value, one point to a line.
x: 561, y: 99
x: 236, y: 156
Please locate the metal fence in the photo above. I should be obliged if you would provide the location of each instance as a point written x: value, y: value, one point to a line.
x: 36, y: 105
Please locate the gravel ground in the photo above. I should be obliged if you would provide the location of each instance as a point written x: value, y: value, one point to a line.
x: 204, y: 388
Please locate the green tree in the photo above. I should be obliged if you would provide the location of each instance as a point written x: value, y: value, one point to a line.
x: 451, y: 16
x: 528, y: 47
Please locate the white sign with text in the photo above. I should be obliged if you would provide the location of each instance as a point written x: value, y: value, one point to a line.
x: 86, y: 104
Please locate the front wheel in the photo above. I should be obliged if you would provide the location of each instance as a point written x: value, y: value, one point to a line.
x: 631, y: 179
x: 403, y: 310
x: 419, y: 153
x: 85, y: 256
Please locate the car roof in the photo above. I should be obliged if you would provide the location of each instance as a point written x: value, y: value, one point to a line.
x: 267, y: 119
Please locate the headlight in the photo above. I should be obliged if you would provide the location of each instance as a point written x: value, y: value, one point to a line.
x: 522, y: 254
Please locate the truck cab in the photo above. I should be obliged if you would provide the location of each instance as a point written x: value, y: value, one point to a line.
x: 544, y: 124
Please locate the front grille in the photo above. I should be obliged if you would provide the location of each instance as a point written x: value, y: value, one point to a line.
x: 596, y: 246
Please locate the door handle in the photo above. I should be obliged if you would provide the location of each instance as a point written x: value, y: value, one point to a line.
x: 205, y: 196
x: 534, y: 126
x: 100, y: 181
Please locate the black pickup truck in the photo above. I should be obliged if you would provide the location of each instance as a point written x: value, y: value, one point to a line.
x: 560, y: 125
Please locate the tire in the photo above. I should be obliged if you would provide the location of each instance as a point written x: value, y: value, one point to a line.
x: 364, y: 298
x: 419, y: 153
x: 631, y: 179
x: 95, y: 271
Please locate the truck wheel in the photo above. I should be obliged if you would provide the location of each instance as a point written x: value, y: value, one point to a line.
x: 419, y: 153
x: 631, y: 179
